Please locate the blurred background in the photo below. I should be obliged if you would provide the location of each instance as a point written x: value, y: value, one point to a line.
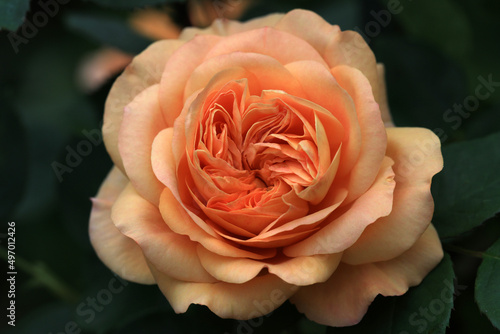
x: 56, y: 71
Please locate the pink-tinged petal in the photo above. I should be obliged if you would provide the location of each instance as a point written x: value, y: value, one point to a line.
x: 118, y: 252
x: 142, y: 120
x: 349, y: 48
x: 310, y: 27
x: 373, y: 136
x: 268, y: 71
x: 173, y: 254
x: 344, y: 299
x: 270, y: 42
x: 144, y: 71
x: 180, y: 222
x: 222, y: 27
x: 177, y: 70
x: 321, y: 88
x: 382, y: 101
x: 418, y: 158
x: 249, y: 300
x: 297, y: 271
x: 342, y: 232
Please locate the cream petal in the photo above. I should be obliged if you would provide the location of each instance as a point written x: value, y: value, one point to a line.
x: 344, y: 299
x: 418, y: 158
x: 384, y: 105
x: 118, y: 252
x: 222, y: 27
x: 249, y: 300
x: 173, y: 254
x: 299, y: 271
x: 142, y: 121
x: 144, y: 71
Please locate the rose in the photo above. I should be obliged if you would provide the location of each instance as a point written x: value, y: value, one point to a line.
x: 253, y: 166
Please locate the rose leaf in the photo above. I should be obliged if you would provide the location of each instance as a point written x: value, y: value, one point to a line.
x: 467, y: 191
x: 425, y: 308
x: 488, y: 284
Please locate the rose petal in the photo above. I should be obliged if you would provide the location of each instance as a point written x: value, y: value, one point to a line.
x: 298, y: 271
x: 249, y: 300
x: 180, y: 222
x: 222, y: 27
x: 269, y: 42
x: 373, y: 136
x: 343, y: 231
x: 142, y: 120
x: 417, y: 157
x: 344, y: 298
x: 144, y: 71
x: 119, y: 253
x: 384, y: 105
x: 173, y: 254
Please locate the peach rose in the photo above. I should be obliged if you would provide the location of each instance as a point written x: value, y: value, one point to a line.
x: 252, y: 166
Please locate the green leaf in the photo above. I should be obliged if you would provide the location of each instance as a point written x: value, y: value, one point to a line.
x: 425, y: 308
x: 13, y: 160
x: 467, y: 191
x: 12, y: 13
x: 429, y: 21
x: 131, y: 3
x: 488, y: 284
x: 108, y: 31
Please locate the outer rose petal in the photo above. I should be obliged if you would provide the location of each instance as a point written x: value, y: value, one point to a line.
x: 305, y: 270
x: 384, y: 106
x: 171, y: 253
x: 119, y: 253
x: 249, y: 300
x: 344, y: 298
x: 373, y: 136
x: 223, y: 27
x: 418, y: 158
x: 144, y: 71
x: 142, y: 120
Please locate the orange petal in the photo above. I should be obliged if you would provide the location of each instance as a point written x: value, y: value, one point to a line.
x: 144, y: 71
x: 173, y: 254
x: 119, y: 253
x: 417, y: 157
x: 180, y: 222
x: 344, y: 298
x: 321, y: 88
x: 373, y: 136
x: 298, y: 271
x: 249, y: 300
x: 343, y: 231
x: 142, y: 120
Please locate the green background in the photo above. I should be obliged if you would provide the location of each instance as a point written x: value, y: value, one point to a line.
x: 435, y: 54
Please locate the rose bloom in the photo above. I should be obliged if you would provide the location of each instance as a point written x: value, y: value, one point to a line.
x: 253, y: 166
